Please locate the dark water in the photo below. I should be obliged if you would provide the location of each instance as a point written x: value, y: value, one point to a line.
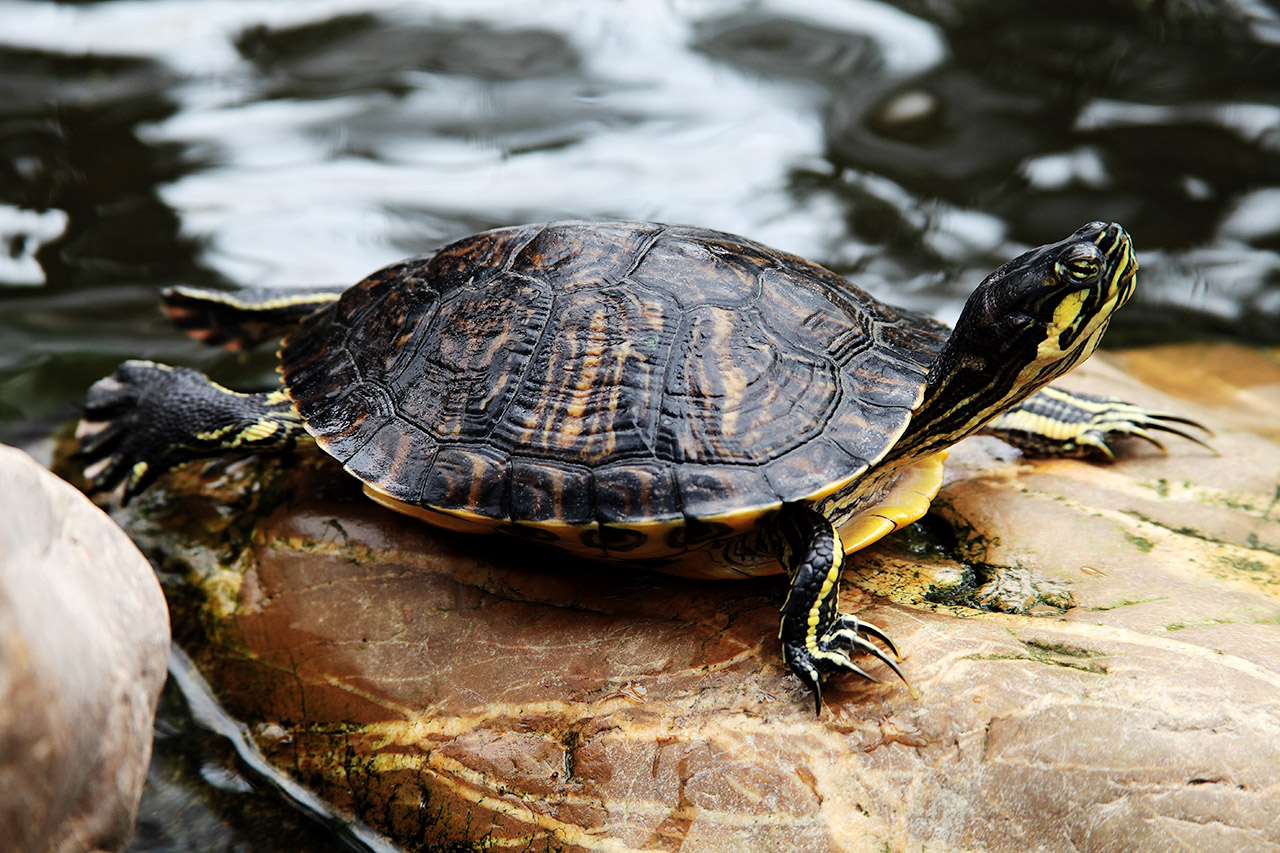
x: 913, y: 147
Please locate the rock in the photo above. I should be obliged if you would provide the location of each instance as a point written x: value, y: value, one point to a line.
x: 84, y: 640
x: 451, y: 688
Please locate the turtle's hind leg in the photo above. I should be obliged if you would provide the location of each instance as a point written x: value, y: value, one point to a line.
x: 817, y: 639
x: 1057, y: 422
x: 243, y: 319
x: 147, y: 418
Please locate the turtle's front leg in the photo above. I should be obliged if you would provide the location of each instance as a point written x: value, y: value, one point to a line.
x: 147, y: 418
x: 1057, y: 422
x: 817, y: 639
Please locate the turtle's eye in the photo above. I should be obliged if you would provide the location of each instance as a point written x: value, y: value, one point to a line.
x: 1082, y: 263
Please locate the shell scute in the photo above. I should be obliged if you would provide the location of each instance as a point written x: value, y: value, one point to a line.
x: 900, y: 335
x: 737, y: 392
x: 881, y: 379
x: 396, y: 460
x: 863, y: 428
x: 721, y: 490
x: 323, y: 378
x: 644, y: 489
x: 388, y: 336
x: 472, y: 478
x: 697, y: 269
x: 814, y: 468
x: 806, y: 315
x: 474, y: 259
x: 355, y: 419
x: 365, y: 297
x: 570, y: 257
x: 586, y: 394
x: 470, y: 357
x: 545, y: 492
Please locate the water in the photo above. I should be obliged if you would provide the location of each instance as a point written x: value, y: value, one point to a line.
x: 914, y: 147
x: 150, y: 142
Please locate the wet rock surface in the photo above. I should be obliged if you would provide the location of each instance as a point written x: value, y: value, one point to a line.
x: 84, y: 638
x: 446, y: 687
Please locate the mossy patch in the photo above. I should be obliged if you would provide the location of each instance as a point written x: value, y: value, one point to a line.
x: 1061, y: 649
x: 1127, y: 602
x: 969, y: 542
x: 1054, y: 654
x: 1255, y: 544
x: 1141, y: 543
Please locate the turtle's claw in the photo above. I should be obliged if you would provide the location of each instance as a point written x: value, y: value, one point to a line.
x: 857, y: 628
x: 834, y: 651
x: 1125, y: 420
x: 849, y: 636
x: 1163, y: 421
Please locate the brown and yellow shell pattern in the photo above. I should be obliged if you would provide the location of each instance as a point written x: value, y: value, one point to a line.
x: 624, y: 390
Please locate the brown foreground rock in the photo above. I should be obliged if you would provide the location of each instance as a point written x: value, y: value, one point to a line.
x: 84, y: 639
x: 446, y: 687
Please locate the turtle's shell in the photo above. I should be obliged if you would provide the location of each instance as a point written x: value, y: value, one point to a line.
x: 608, y: 377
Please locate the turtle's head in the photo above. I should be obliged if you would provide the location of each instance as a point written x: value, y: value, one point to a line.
x: 1042, y: 313
x: 1029, y: 322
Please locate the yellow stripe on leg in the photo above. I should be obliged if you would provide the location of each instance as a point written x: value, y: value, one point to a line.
x: 828, y: 590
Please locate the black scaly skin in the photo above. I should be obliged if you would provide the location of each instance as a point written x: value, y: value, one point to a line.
x: 809, y: 548
x: 147, y: 418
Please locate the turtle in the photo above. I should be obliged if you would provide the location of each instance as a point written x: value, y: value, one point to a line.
x: 661, y: 396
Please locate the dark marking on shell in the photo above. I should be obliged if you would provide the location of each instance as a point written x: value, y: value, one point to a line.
x: 540, y: 492
x: 543, y: 535
x: 696, y: 532
x: 614, y: 541
x: 397, y: 460
x: 644, y: 489
x: 472, y: 478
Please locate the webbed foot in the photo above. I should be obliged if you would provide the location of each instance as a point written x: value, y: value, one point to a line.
x: 1055, y: 422
x: 148, y: 418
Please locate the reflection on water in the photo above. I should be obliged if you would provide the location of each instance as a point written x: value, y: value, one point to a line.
x: 1051, y: 114
x: 246, y: 142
